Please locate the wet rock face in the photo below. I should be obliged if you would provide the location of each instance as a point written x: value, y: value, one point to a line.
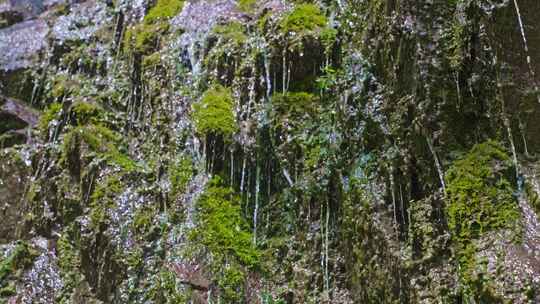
x: 15, y: 120
x: 344, y: 118
x: 14, y: 175
x: 20, y: 43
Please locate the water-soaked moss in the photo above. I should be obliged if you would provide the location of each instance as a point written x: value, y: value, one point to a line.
x: 84, y: 113
x: 180, y: 174
x: 221, y: 226
x: 163, y: 10
x: 233, y: 32
x: 479, y: 200
x: 69, y: 262
x: 225, y: 233
x: 143, y: 38
x: 103, y: 199
x: 304, y: 18
x: 143, y: 220
x: 152, y: 60
x: 247, y: 6
x: 99, y: 139
x: 294, y: 103
x: 480, y: 193
x: 50, y: 114
x: 214, y: 113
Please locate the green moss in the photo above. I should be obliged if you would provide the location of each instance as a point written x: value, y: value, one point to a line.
x: 144, y: 38
x: 152, y: 60
x: 233, y: 32
x: 180, y: 174
x: 305, y: 17
x: 247, y: 6
x: 166, y: 289
x: 225, y: 233
x: 221, y: 226
x: 480, y: 193
x: 163, y: 10
x: 231, y: 284
x: 293, y: 102
x: 8, y: 291
x: 143, y: 220
x: 214, y: 113
x: 102, y: 200
x: 100, y: 140
x: 50, y: 114
x: 328, y: 37
x: 84, y: 113
x: 135, y: 258
x: 479, y: 200
x: 63, y: 86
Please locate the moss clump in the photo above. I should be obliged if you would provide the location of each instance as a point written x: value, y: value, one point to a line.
x: 152, y: 60
x: 328, y: 37
x: 247, y: 6
x: 144, y: 38
x: 224, y: 233
x: 102, y: 200
x: 214, y: 113
x: 63, y: 86
x: 100, y: 140
x: 50, y: 114
x: 143, y: 220
x: 293, y: 103
x: 480, y: 200
x: 222, y: 229
x: 305, y: 17
x: 233, y: 32
x: 84, y: 113
x: 480, y: 193
x: 179, y: 175
x: 69, y: 261
x: 163, y: 10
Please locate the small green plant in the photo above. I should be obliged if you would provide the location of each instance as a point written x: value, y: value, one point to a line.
x: 213, y: 115
x: 305, y: 17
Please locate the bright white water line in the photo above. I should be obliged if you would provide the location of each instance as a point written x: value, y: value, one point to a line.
x: 526, y: 47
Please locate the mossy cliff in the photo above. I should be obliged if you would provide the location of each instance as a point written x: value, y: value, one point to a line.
x: 222, y: 151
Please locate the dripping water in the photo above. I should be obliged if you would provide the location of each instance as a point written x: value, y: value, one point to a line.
x: 526, y: 48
